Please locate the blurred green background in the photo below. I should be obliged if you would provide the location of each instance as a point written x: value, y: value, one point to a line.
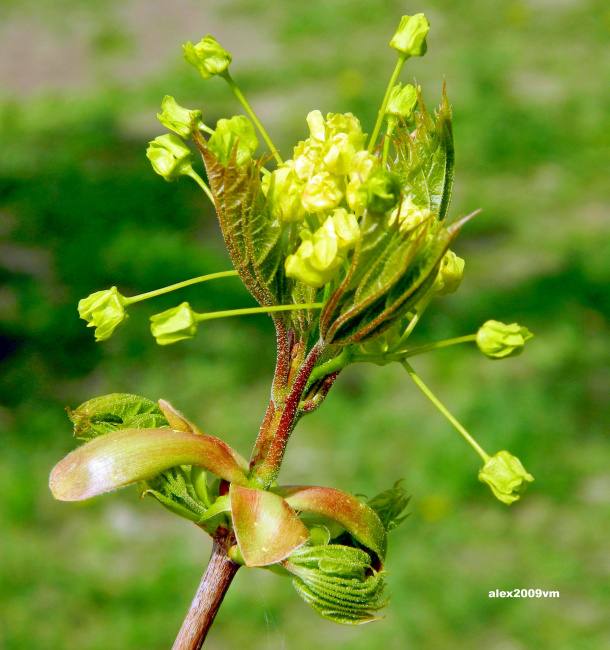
x: 82, y: 210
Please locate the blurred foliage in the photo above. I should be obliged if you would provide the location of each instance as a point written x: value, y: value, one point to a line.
x: 81, y: 210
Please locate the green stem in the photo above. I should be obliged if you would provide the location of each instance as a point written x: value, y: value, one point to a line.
x: 386, y: 140
x: 402, y: 57
x: 406, y: 354
x: 256, y: 310
x: 179, y: 285
x: 432, y: 346
x: 430, y: 395
x: 244, y: 102
x: 418, y: 314
x: 338, y: 363
x: 195, y: 176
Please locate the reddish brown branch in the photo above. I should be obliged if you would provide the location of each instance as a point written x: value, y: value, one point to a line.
x: 282, y: 366
x: 269, y: 468
x: 212, y: 589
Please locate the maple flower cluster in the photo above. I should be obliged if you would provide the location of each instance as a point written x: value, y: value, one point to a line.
x: 325, y: 188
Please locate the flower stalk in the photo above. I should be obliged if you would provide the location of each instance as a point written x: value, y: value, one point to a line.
x: 432, y: 397
x: 402, y: 57
x: 179, y: 285
x: 244, y: 102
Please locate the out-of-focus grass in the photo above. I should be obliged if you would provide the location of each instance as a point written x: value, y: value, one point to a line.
x: 81, y: 210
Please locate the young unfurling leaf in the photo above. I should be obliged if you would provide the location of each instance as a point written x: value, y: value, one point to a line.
x: 337, y: 582
x: 390, y: 273
x: 252, y: 236
x: 425, y: 158
x: 116, y: 411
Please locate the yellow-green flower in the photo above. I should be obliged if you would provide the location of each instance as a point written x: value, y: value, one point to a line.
x: 361, y: 166
x: 497, y: 340
x: 410, y: 37
x: 346, y: 229
x: 450, y: 274
x: 207, y: 56
x: 321, y: 254
x: 506, y: 477
x: 284, y: 191
x: 177, y: 119
x: 170, y: 157
x: 308, y: 159
x: 104, y: 310
x: 402, y: 102
x: 174, y: 324
x: 322, y: 192
x: 235, y: 136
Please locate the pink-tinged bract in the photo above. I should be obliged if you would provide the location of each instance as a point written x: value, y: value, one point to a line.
x: 117, y: 459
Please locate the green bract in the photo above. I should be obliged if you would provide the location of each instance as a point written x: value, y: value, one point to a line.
x: 497, y: 340
x: 234, y: 137
x: 410, y: 37
x: 506, y: 477
x: 177, y: 119
x: 174, y: 324
x: 207, y: 56
x: 104, y: 310
x: 170, y: 157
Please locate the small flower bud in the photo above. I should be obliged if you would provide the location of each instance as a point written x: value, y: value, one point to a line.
x: 207, y: 56
x: 284, y: 191
x: 402, y: 102
x: 177, y: 119
x: 321, y: 193
x: 506, y: 477
x: 410, y: 37
x: 174, y: 324
x: 170, y: 157
x: 381, y: 191
x: 104, y: 310
x: 497, y: 340
x: 450, y: 274
x: 235, y: 134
